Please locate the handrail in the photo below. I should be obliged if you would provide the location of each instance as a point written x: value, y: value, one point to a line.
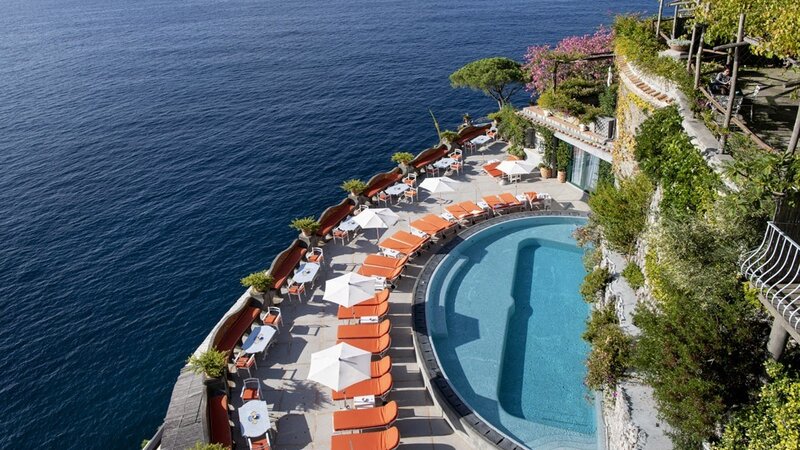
x: 582, y: 135
x: 774, y: 270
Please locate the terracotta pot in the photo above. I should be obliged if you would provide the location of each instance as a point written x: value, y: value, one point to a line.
x: 562, y: 176
x: 546, y: 172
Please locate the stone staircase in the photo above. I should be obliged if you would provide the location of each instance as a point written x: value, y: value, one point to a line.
x: 642, y: 87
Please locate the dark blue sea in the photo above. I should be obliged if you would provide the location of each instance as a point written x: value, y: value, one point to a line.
x: 152, y: 152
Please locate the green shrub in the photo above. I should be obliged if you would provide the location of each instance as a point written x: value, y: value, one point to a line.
x: 701, y: 343
x: 634, y: 275
x: 448, y: 136
x: 354, y: 185
x: 773, y: 421
x: 260, y: 281
x: 592, y: 258
x: 621, y: 213
x: 563, y: 156
x: 609, y: 357
x: 212, y: 363
x: 577, y: 87
x: 667, y: 155
x: 307, y: 225
x: 207, y: 446
x: 608, y: 101
x: 635, y: 41
x: 510, y: 125
x: 550, y: 145
x: 561, y: 101
x: 516, y: 150
x: 594, y: 283
x: 406, y: 157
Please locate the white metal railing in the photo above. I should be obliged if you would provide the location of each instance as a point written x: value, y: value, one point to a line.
x: 774, y: 269
x: 572, y: 130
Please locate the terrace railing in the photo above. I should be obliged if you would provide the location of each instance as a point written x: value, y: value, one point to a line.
x: 773, y: 268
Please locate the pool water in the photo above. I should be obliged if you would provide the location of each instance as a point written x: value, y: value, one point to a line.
x: 506, y: 317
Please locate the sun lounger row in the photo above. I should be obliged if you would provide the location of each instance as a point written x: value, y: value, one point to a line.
x: 405, y: 243
x: 434, y: 225
x: 466, y: 211
x: 503, y: 202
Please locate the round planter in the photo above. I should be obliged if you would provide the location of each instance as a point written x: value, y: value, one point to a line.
x: 546, y: 172
x: 562, y: 176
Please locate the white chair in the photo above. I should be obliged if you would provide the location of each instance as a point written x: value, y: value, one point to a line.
x: 316, y: 255
x: 273, y: 317
x: 260, y: 443
x: 245, y: 361
x: 251, y: 389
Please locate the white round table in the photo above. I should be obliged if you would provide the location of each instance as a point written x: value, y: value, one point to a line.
x: 254, y: 418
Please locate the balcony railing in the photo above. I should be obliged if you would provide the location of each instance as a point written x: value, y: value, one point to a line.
x: 774, y: 270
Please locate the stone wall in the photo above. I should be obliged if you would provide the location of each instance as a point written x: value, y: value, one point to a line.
x: 621, y: 432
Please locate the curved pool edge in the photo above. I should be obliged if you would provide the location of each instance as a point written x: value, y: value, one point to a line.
x: 456, y: 411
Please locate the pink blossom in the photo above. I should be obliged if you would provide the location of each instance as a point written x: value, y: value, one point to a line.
x: 539, y: 59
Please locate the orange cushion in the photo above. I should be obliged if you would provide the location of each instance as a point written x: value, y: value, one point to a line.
x: 359, y: 311
x: 270, y: 319
x: 220, y: 429
x: 380, y: 367
x: 378, y: 387
x: 375, y: 346
x: 374, y: 440
x: 249, y: 394
x: 355, y: 419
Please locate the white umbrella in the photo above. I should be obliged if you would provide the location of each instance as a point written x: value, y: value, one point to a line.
x: 439, y: 185
x: 376, y: 218
x: 340, y: 366
x: 515, y: 167
x: 349, y: 289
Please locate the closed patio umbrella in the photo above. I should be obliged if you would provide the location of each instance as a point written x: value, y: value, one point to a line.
x: 376, y: 218
x: 349, y: 289
x: 340, y: 366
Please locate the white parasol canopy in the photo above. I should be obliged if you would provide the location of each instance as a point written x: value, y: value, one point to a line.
x: 376, y: 218
x: 516, y: 167
x: 340, y: 366
x: 439, y: 185
x: 349, y: 289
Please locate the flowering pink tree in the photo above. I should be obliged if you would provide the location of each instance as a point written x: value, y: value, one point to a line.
x: 540, y: 59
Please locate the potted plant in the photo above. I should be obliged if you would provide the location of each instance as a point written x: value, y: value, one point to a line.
x: 516, y: 151
x: 212, y: 363
x: 545, y: 171
x: 355, y: 187
x: 402, y: 159
x: 679, y: 45
x: 448, y: 136
x: 261, y: 282
x: 207, y: 446
x: 563, y: 156
x: 467, y: 120
x: 306, y: 225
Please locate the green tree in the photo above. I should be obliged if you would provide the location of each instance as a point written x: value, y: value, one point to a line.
x: 774, y: 23
x: 498, y: 77
x: 510, y: 125
x: 773, y: 421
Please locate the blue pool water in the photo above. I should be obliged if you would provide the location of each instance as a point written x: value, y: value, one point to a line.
x: 506, y: 319
x: 152, y: 153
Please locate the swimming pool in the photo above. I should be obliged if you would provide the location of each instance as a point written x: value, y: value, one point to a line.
x: 505, y: 319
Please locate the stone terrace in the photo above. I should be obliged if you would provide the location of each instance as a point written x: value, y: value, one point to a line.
x: 302, y: 410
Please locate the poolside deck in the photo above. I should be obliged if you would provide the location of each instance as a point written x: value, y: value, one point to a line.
x: 302, y: 409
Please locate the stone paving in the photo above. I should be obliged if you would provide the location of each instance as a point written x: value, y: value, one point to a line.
x: 302, y: 410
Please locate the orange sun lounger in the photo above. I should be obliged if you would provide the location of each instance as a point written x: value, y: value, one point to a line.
x: 357, y: 419
x: 381, y: 367
x: 432, y: 224
x: 386, y: 272
x: 359, y: 311
x: 379, y: 387
x: 492, y: 170
x: 377, y: 299
x: 385, y: 261
x: 364, y: 330
x: 375, y: 440
x: 377, y: 346
x: 510, y: 199
x: 495, y: 202
x: 404, y: 242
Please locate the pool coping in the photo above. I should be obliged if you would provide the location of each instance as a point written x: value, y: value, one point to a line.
x: 456, y: 411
